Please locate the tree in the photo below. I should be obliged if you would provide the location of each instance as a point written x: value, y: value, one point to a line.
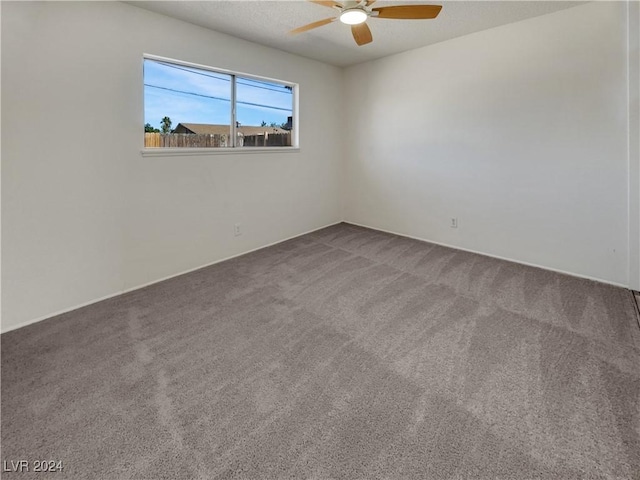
x: 148, y: 128
x: 283, y: 125
x: 165, y: 125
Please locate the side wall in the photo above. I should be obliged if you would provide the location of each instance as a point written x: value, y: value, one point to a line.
x: 519, y: 132
x: 84, y: 215
x: 633, y: 30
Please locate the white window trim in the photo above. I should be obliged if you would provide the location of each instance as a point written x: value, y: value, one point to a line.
x: 179, y: 152
x: 173, y: 152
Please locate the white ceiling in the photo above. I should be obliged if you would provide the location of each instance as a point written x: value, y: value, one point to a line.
x: 267, y: 22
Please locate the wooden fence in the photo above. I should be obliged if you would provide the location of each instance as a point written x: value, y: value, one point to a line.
x: 183, y: 140
x: 267, y: 140
x: 192, y: 140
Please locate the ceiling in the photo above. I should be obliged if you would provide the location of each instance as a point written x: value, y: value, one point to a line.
x: 267, y: 22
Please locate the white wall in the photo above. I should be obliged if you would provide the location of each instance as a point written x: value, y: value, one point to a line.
x: 84, y: 215
x: 519, y: 131
x: 634, y: 142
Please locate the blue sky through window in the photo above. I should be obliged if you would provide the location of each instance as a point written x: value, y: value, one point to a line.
x: 190, y: 95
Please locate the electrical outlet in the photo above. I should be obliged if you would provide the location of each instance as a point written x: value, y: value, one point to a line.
x: 454, y: 223
x: 237, y: 229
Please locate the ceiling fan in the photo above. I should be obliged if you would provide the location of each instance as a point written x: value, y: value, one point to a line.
x: 356, y: 13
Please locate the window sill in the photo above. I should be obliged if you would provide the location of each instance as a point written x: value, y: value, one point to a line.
x: 184, y: 152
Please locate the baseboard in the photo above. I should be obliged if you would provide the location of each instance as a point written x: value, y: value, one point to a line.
x: 571, y: 274
x: 138, y: 287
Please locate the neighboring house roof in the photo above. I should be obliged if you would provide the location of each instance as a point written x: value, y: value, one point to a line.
x: 208, y: 129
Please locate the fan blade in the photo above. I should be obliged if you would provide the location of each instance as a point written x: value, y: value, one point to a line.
x: 370, y: 2
x: 361, y: 34
x: 311, y: 26
x: 326, y: 3
x: 409, y: 11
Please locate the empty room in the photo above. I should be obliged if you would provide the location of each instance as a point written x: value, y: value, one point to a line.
x: 320, y: 240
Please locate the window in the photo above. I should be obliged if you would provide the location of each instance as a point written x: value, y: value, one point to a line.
x: 189, y: 106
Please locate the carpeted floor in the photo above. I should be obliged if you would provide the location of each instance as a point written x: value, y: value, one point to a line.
x: 346, y: 353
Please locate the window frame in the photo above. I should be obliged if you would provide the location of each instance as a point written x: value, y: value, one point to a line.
x: 179, y: 151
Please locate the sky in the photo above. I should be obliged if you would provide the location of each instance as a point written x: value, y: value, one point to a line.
x: 190, y: 95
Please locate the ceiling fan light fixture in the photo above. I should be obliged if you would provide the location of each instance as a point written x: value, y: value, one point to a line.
x: 353, y: 16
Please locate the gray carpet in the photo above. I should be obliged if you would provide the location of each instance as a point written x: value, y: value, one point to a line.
x: 347, y: 353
